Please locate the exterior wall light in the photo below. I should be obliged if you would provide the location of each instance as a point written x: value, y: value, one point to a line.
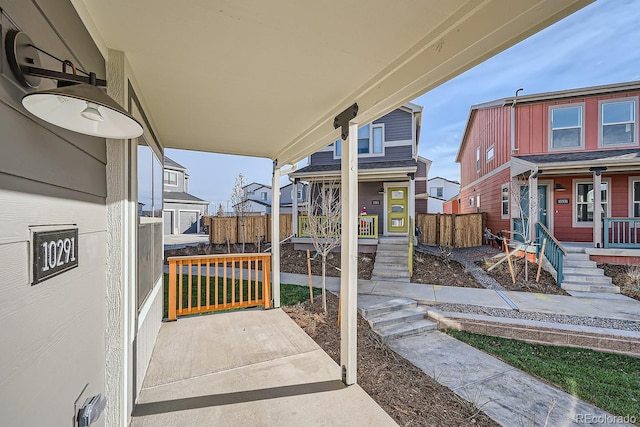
x: 560, y: 187
x: 77, y: 104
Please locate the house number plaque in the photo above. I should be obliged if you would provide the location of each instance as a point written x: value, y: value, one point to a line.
x: 54, y: 252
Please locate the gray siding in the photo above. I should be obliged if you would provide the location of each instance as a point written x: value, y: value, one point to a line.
x: 367, y: 193
x: 421, y: 206
x: 422, y: 170
x: 403, y: 152
x: 53, y: 333
x: 397, y: 125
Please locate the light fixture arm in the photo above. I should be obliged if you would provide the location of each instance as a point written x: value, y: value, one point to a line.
x: 63, y: 77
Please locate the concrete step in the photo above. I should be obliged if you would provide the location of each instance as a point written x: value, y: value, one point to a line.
x: 588, y: 279
x: 391, y: 259
x: 396, y: 317
x: 579, y: 263
x: 394, y: 266
x: 589, y: 287
x: 586, y: 271
x: 391, y: 279
x: 389, y: 306
x: 393, y: 252
x: 392, y: 332
x: 574, y: 256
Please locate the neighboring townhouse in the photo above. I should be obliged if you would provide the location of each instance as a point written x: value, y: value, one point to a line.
x: 541, y: 156
x: 391, y: 174
x: 259, y: 198
x: 292, y: 196
x: 182, y: 211
x: 441, y: 190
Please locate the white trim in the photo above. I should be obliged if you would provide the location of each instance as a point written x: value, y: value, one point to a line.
x: 385, y: 216
x: 574, y: 201
x: 502, y: 214
x: 197, y: 219
x: 478, y: 160
x: 487, y: 176
x: 398, y: 143
x: 173, y: 220
x: 148, y: 302
x: 169, y: 172
x: 632, y: 179
x: 550, y: 146
x: 601, y: 104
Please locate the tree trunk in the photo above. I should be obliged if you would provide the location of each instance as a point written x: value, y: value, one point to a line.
x: 324, y: 294
x: 242, y: 236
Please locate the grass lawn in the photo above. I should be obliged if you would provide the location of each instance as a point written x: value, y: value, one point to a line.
x: 608, y: 381
x: 289, y: 294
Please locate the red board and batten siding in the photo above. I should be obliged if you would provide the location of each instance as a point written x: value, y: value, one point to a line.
x: 490, y: 126
x: 532, y: 124
x: 490, y: 191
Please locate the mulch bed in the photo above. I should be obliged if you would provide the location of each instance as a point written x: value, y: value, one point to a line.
x: 434, y: 270
x: 407, y: 394
x: 619, y: 277
x: 501, y: 274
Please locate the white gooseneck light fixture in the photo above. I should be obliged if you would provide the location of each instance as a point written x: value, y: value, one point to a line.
x: 77, y: 104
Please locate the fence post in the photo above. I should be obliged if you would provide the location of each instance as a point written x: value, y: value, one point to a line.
x: 172, y: 291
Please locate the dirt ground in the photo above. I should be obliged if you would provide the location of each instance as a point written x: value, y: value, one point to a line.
x: 410, y: 396
x: 501, y: 274
x: 620, y: 277
x: 433, y: 270
x: 292, y: 261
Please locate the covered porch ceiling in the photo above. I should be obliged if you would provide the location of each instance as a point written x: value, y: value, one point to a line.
x: 266, y: 78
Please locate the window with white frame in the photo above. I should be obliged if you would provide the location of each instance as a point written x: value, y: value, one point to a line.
x: 299, y: 193
x: 618, y: 123
x: 566, y: 127
x: 170, y: 178
x: 505, y: 201
x: 370, y: 140
x: 490, y: 153
x: 478, y: 201
x: 436, y: 192
x: 585, y: 199
x: 635, y: 198
x: 263, y: 195
x: 471, y: 200
x: 478, y: 159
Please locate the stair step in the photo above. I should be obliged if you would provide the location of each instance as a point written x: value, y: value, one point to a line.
x: 589, y: 287
x: 582, y: 271
x: 588, y: 279
x: 392, y: 332
x: 390, y: 279
x: 396, y: 317
x: 578, y: 263
x: 389, y: 306
x: 577, y: 256
x: 391, y: 259
x: 391, y: 267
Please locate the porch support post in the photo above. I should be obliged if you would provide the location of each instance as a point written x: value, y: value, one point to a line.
x: 275, y: 235
x: 349, y: 254
x: 534, y: 206
x: 294, y: 208
x: 597, y: 205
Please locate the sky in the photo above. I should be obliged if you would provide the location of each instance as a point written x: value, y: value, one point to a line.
x: 599, y: 44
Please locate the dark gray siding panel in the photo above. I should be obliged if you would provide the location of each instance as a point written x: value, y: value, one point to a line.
x: 397, y: 125
x: 421, y: 187
x: 421, y: 206
x: 422, y: 170
x: 324, y: 158
x: 391, y: 153
x: 367, y: 193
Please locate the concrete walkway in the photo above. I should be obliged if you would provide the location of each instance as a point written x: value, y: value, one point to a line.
x: 228, y: 369
x: 506, y: 394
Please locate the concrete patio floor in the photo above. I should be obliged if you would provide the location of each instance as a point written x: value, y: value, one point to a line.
x: 252, y: 367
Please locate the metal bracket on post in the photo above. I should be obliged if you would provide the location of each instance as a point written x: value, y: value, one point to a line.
x: 342, y: 120
x: 598, y: 169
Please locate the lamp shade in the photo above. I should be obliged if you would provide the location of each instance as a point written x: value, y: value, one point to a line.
x: 83, y: 108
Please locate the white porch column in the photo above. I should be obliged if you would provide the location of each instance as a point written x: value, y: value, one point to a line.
x: 349, y: 254
x: 597, y: 207
x: 275, y: 235
x: 534, y: 205
x: 294, y: 208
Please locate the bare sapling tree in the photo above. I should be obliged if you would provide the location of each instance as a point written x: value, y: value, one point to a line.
x: 241, y: 204
x: 220, y: 213
x: 323, y: 222
x: 527, y: 209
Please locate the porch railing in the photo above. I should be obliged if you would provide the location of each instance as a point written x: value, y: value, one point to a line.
x: 367, y: 226
x: 621, y: 233
x: 201, y: 284
x: 554, y: 252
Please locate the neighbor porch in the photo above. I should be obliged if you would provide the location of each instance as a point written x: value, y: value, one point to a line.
x: 250, y: 367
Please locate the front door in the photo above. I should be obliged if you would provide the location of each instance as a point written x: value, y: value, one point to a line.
x: 397, y: 210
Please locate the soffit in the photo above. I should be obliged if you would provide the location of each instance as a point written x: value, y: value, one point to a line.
x: 266, y: 78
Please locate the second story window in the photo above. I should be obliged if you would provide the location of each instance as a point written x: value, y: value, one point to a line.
x: 478, y: 159
x: 618, y: 123
x: 436, y: 192
x: 490, y: 153
x: 370, y: 139
x: 566, y: 127
x: 171, y: 178
x: 263, y: 195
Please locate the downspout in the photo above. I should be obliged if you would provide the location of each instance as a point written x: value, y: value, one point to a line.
x: 513, y: 122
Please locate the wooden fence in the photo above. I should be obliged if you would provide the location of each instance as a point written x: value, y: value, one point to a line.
x: 257, y: 228
x: 458, y: 231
